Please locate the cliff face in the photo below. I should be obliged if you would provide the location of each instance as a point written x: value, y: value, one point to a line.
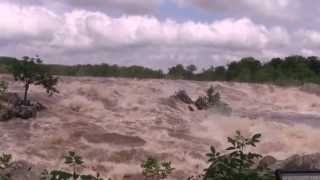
x: 116, y: 123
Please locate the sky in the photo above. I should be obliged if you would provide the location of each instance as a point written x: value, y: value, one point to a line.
x: 158, y: 33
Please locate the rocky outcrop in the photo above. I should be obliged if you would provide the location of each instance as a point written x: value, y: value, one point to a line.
x: 302, y: 162
x: 211, y: 101
x: 267, y: 162
x: 293, y: 163
x: 12, y: 106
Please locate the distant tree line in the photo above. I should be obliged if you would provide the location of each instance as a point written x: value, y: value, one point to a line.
x: 290, y: 70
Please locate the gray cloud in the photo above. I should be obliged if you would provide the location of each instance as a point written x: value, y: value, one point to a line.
x: 125, y: 6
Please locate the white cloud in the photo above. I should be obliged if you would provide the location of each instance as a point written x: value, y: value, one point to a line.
x: 25, y: 22
x: 83, y: 36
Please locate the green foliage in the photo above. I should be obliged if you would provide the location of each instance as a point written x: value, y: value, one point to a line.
x: 155, y: 170
x: 3, y: 87
x: 105, y: 70
x: 73, y: 161
x: 282, y: 71
x: 290, y: 70
x: 30, y: 71
x: 177, y: 72
x: 236, y: 163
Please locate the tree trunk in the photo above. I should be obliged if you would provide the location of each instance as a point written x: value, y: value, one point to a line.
x: 25, y: 99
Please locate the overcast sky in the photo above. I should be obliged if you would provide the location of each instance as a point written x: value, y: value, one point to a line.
x: 158, y: 33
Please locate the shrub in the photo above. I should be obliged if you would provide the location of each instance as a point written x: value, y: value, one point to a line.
x: 3, y: 87
x: 5, y: 162
x: 73, y: 161
x: 154, y: 170
x: 236, y: 163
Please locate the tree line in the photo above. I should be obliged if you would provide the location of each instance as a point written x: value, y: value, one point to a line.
x: 289, y: 70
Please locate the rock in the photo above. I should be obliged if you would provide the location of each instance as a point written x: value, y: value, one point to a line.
x: 302, y: 162
x: 12, y: 106
x: 190, y: 108
x: 266, y: 162
x: 21, y: 170
x: 183, y: 96
x: 25, y: 111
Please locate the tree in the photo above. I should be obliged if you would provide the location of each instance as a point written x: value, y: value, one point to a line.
x: 178, y: 72
x: 191, y: 68
x: 30, y: 71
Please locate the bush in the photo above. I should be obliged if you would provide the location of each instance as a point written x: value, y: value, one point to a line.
x: 236, y: 163
x: 5, y: 162
x: 3, y: 87
x: 153, y: 169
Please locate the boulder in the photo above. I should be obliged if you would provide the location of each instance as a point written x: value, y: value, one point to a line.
x: 25, y: 111
x: 183, y: 96
x: 267, y: 162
